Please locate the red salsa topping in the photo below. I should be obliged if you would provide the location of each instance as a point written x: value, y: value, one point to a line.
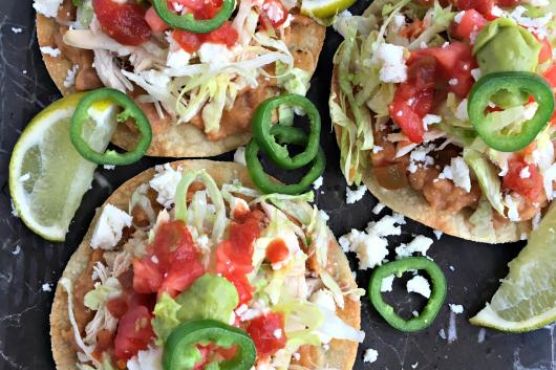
x: 124, y: 23
x: 267, y: 332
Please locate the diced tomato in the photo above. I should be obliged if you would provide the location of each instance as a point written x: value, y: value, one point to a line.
x: 531, y: 187
x: 277, y: 251
x: 267, y: 332
x: 274, y: 13
x: 409, y: 122
x: 225, y: 34
x: 181, y: 276
x: 234, y: 256
x: 546, y: 51
x: 482, y: 6
x: 134, y: 333
x: 117, y: 306
x: 471, y: 22
x: 188, y: 41
x: 507, y: 3
x: 124, y: 23
x: 455, y: 62
x: 550, y: 75
x: 243, y: 287
x: 171, y: 264
x: 155, y: 22
x: 147, y: 277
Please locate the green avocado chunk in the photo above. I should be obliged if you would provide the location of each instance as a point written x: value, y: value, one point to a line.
x: 504, y: 46
x: 209, y: 297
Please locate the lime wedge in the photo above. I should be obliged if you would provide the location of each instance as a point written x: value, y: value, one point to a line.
x: 526, y: 300
x: 324, y: 8
x: 47, y: 176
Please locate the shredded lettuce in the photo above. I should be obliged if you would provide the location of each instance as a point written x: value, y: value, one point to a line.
x: 220, y: 220
x: 487, y: 177
x: 481, y: 219
x: 439, y: 19
x: 102, y: 293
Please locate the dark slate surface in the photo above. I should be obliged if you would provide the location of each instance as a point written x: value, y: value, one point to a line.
x: 29, y: 266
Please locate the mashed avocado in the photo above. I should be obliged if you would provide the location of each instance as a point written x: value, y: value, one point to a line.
x: 504, y: 46
x: 210, y: 297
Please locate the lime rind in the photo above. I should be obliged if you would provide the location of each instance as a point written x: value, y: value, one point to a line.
x: 47, y: 176
x: 324, y: 9
x: 526, y: 299
x: 487, y: 317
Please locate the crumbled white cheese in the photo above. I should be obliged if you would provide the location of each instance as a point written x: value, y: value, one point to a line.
x: 48, y: 8
x: 371, y: 250
x: 47, y: 287
x: 109, y: 227
x: 53, y: 52
x: 149, y: 359
x: 239, y: 156
x: 378, y: 208
x: 177, y: 57
x: 460, y: 173
x: 353, y: 196
x: 318, y: 183
x: 109, y: 167
x: 165, y: 183
x: 513, y: 213
x: 442, y: 334
x: 476, y: 73
x: 431, y: 119
x: 377, y: 149
x: 386, y: 226
x: 397, y: 23
x: 277, y: 333
x: 69, y: 81
x: 391, y: 59
x: 452, y: 329
x: 370, y: 356
x: 461, y: 111
x: 215, y: 54
x: 525, y: 173
x: 419, y: 285
x: 452, y: 268
x: 459, y: 16
x: 371, y: 245
x: 414, y: 366
x: 456, y: 308
x: 17, y: 30
x: 386, y: 284
x: 453, y: 81
x: 420, y: 244
x: 438, y: 234
x: 17, y: 250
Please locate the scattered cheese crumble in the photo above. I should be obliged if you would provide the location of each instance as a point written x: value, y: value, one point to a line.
x: 370, y: 356
x: 456, y: 308
x: 109, y: 227
x: 419, y: 285
x: 239, y: 156
x: 353, y: 196
x: 420, y: 244
x: 53, y: 52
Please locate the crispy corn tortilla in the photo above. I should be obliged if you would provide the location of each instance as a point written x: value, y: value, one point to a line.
x: 341, y: 354
x: 412, y: 204
x: 304, y: 38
